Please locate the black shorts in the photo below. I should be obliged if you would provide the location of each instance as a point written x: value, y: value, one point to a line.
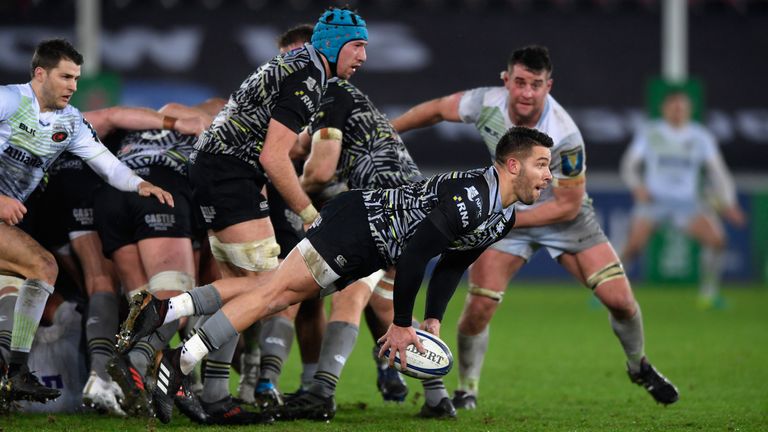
x: 227, y: 190
x: 124, y: 218
x: 68, y: 200
x: 289, y: 229
x: 342, y: 236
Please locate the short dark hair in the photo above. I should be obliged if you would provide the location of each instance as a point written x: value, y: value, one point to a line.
x: 518, y: 141
x: 532, y: 57
x: 50, y: 52
x: 300, y: 33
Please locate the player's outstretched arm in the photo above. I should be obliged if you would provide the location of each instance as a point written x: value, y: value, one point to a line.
x: 429, y: 113
x: 321, y: 164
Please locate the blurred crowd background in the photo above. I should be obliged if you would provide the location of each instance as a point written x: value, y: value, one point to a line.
x: 608, y: 63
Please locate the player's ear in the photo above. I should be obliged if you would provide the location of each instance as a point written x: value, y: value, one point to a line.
x: 513, y: 166
x: 504, y: 75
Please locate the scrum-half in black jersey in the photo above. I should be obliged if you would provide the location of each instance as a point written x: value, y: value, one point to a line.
x: 156, y: 147
x: 288, y: 89
x: 465, y: 207
x: 372, y: 153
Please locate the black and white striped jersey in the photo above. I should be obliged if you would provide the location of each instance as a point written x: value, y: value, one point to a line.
x: 170, y: 149
x: 465, y: 206
x: 288, y: 89
x: 372, y: 154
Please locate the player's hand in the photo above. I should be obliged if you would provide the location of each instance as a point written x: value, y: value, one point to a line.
x: 396, y: 340
x: 146, y: 189
x: 641, y: 195
x: 735, y: 216
x: 12, y: 211
x: 431, y: 325
x: 190, y: 126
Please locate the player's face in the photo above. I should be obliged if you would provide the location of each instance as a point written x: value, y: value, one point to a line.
x: 58, y: 84
x: 677, y: 109
x: 351, y: 57
x: 534, y: 175
x: 528, y: 91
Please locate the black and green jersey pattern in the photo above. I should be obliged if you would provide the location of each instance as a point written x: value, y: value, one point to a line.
x: 288, y: 89
x: 157, y: 147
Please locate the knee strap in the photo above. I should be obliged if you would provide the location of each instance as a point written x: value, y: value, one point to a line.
x: 171, y: 281
x: 256, y: 256
x: 373, y: 279
x: 610, y: 272
x: 485, y: 292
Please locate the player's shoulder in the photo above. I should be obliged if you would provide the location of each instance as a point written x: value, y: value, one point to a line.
x: 489, y: 96
x: 701, y: 130
x: 11, y: 94
x: 557, y: 123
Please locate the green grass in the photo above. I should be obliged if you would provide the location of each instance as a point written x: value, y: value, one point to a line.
x: 554, y: 365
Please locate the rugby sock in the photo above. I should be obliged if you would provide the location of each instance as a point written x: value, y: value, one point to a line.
x: 434, y: 391
x: 100, y: 329
x: 250, y: 363
x: 630, y: 334
x: 143, y: 352
x: 27, y: 312
x: 216, y: 372
x: 472, y: 351
x: 7, y: 304
x: 308, y: 371
x: 338, y: 342
x: 204, y: 300
x: 212, y: 335
x: 711, y: 272
x: 275, y: 343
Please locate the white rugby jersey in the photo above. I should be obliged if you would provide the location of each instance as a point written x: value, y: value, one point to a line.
x: 30, y: 141
x: 673, y: 158
x: 486, y: 108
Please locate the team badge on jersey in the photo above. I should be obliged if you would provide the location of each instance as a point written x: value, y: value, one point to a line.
x: 59, y: 136
x: 572, y: 162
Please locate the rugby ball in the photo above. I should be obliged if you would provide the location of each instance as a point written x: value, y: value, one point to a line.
x: 435, y: 362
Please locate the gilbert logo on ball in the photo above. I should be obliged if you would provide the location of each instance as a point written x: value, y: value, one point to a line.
x: 436, y: 360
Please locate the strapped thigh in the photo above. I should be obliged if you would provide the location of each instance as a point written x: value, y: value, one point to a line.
x: 255, y: 256
x: 610, y: 272
x: 485, y: 292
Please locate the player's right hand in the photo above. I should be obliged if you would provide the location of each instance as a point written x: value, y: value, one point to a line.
x: 146, y: 189
x: 12, y: 211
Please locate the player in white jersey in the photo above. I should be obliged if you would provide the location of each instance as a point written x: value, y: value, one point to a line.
x: 562, y: 221
x: 37, y: 124
x: 663, y: 167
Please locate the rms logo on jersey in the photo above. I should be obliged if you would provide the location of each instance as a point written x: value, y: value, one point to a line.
x: 306, y: 99
x: 462, y: 211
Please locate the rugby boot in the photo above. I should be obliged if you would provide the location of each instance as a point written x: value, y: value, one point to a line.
x: 167, y: 377
x: 146, y: 314
x: 307, y: 405
x: 266, y: 395
x: 464, y: 400
x: 443, y: 410
x: 190, y: 405
x: 131, y: 382
x: 662, y: 390
x: 21, y: 384
x: 229, y: 412
x: 102, y: 395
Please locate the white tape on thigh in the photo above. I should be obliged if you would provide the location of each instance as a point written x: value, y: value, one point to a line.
x: 485, y: 292
x: 10, y: 281
x: 388, y: 280
x: 171, y: 281
x: 256, y: 256
x: 372, y: 280
x: 320, y: 270
x: 75, y: 234
x: 384, y: 293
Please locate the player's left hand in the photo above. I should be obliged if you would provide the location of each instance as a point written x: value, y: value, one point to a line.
x: 396, y: 340
x: 431, y: 325
x: 146, y: 189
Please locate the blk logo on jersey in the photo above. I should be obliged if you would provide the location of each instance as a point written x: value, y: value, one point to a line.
x: 572, y: 162
x: 27, y: 129
x: 59, y: 136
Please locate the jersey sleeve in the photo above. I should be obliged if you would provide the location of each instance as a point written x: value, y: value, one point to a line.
x: 461, y: 206
x: 568, y: 157
x: 297, y: 101
x: 334, y: 110
x: 471, y: 104
x: 9, y: 101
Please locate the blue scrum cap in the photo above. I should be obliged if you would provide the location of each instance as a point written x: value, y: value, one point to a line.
x: 335, y: 28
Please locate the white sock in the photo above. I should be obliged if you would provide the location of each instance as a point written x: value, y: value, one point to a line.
x: 179, y: 307
x: 191, y: 353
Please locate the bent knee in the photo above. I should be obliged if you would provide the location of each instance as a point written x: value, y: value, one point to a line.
x: 44, y: 267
